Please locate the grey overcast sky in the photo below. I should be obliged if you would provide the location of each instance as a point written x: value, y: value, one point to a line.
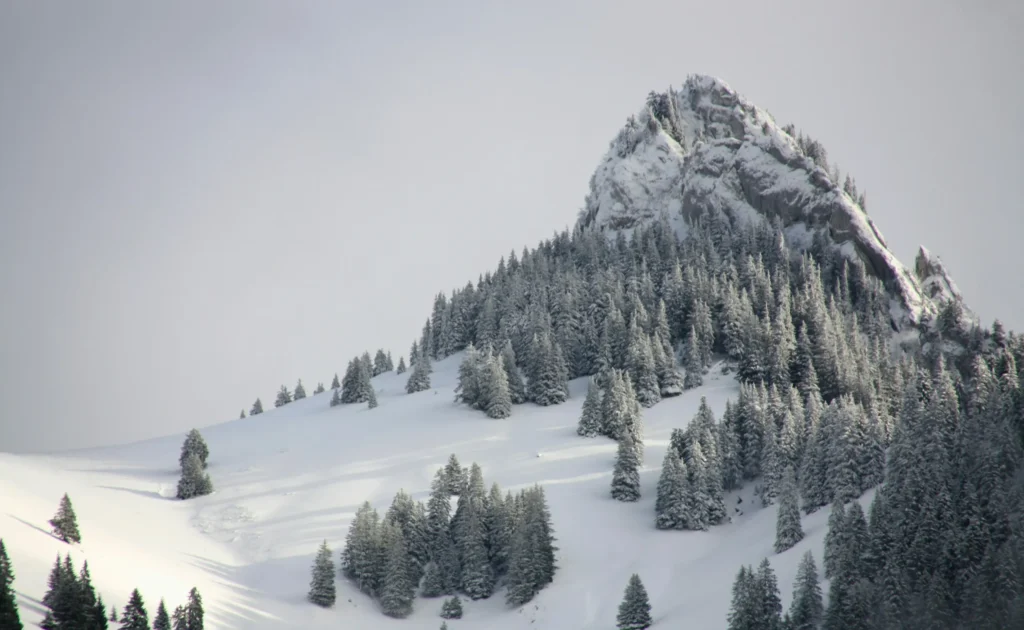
x: 201, y: 201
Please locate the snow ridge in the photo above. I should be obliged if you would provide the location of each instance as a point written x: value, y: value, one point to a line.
x: 704, y: 150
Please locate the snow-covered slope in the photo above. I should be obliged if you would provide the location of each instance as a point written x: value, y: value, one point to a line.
x: 705, y: 149
x: 292, y: 477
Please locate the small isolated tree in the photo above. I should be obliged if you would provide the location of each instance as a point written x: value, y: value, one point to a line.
x: 194, y: 481
x: 241, y: 416
x: 65, y: 523
x: 161, y: 620
x: 321, y: 588
x: 319, y: 389
x: 452, y: 608
x: 9, y: 617
x: 194, y: 445
x: 257, y: 408
x: 336, y: 397
x: 635, y: 609
x: 401, y: 365
x: 788, y: 530
x: 300, y: 391
x: 283, y: 397
x: 419, y: 380
x: 135, y: 616
x: 371, y: 398
x: 113, y: 613
x: 335, y: 384
x: 626, y: 475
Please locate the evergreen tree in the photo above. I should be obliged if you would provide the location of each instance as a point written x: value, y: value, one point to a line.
x: 451, y: 609
x: 241, y: 416
x: 362, y: 559
x: 194, y: 610
x: 178, y: 619
x: 744, y: 613
x: 257, y: 408
x: 626, y: 475
x: 300, y: 391
x: 548, y: 382
x: 419, y: 380
x: 468, y: 389
x: 835, y: 538
x: 194, y: 445
x: 532, y: 553
x: 134, y: 616
x: 283, y: 397
x: 635, y: 609
x: 335, y: 384
x: 805, y: 613
x: 380, y: 363
x: 401, y: 366
x: 516, y: 386
x: 673, y: 500
x: 371, y: 398
x: 321, y: 588
x: 65, y: 523
x: 769, y: 614
x: 694, y: 366
x: 454, y: 476
x: 9, y: 617
x: 113, y: 613
x: 161, y: 620
x: 319, y: 389
x: 193, y: 482
x: 641, y: 368
x: 398, y: 591
x: 336, y: 398
x: 590, y: 418
x: 788, y: 531
x: 495, y: 389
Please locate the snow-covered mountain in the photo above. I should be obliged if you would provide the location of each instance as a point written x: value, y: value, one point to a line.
x: 704, y: 150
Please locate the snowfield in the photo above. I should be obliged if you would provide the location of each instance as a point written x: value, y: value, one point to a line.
x: 292, y: 477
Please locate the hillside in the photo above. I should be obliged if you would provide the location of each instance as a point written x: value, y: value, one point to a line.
x: 291, y: 477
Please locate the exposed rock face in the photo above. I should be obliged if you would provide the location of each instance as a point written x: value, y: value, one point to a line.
x: 704, y: 149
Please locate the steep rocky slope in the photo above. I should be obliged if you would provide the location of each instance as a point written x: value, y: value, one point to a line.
x: 704, y: 149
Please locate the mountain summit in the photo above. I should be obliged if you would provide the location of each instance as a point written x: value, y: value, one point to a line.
x: 705, y: 152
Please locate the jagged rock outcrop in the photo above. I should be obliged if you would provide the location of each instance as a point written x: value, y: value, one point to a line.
x: 705, y: 149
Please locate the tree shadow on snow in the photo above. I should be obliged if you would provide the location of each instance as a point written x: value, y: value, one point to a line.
x: 31, y: 603
x: 241, y: 612
x: 149, y: 494
x: 34, y: 526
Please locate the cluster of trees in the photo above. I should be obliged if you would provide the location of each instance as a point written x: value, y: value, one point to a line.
x: 73, y: 604
x: 611, y: 408
x: 356, y: 386
x: 757, y: 605
x: 490, y: 540
x: 194, y: 481
x: 692, y: 483
x: 10, y: 619
x: 419, y: 380
x: 490, y: 381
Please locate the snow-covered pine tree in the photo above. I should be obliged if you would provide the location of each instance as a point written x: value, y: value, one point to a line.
x: 319, y: 389
x: 532, y: 552
x: 363, y: 559
x: 635, y: 609
x: 401, y: 365
x: 419, y: 379
x: 65, y: 523
x: 335, y: 384
x: 300, y: 391
x: 495, y: 389
x: 548, y: 384
x: 194, y: 445
x: 516, y: 386
x: 468, y: 386
x: 380, y: 363
x: 805, y: 613
x: 178, y: 619
x: 452, y: 608
x: 769, y: 614
x: 194, y: 482
x: 670, y: 381
x: 113, y: 613
x: 241, y: 416
x: 9, y: 616
x: 626, y: 475
x: 835, y: 538
x: 477, y: 572
x: 336, y: 397
x: 283, y: 397
x: 788, y: 530
x: 670, y: 507
x: 771, y: 467
x: 371, y: 398
x: 590, y: 418
x: 389, y: 363
x: 321, y: 587
x: 257, y: 408
x: 194, y: 610
x: 161, y: 620
x: 397, y: 591
x: 694, y: 366
x: 454, y: 476
x: 134, y: 616
x: 641, y: 368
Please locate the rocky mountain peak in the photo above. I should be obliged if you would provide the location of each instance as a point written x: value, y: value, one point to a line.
x: 705, y: 149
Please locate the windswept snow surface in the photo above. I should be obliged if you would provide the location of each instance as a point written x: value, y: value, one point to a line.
x: 292, y: 477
